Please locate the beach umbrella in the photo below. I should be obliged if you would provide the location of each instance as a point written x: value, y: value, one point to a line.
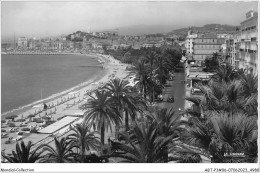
x: 3, y: 130
x: 20, y: 120
x: 11, y: 125
x: 3, y: 121
x: 25, y: 129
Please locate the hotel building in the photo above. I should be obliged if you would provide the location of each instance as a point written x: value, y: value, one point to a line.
x: 189, y: 42
x: 22, y: 42
x: 248, y: 46
x: 205, y: 46
x: 232, y: 51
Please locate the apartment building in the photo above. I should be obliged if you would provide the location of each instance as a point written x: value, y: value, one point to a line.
x: 205, y: 46
x: 232, y: 50
x: 22, y: 42
x: 248, y: 54
x: 189, y: 42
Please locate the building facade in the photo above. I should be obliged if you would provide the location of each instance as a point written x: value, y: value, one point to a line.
x: 189, y: 42
x: 232, y: 51
x: 205, y: 47
x: 248, y: 54
x: 22, y: 43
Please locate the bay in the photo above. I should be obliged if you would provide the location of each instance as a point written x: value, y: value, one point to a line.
x: 28, y: 78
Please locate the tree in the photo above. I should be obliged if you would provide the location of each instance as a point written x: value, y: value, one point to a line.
x: 23, y: 154
x: 144, y: 145
x: 250, y: 84
x: 222, y: 133
x: 218, y: 96
x: 168, y: 121
x: 102, y: 112
x: 142, y: 71
x: 123, y: 97
x: 61, y: 153
x: 83, y: 138
x: 182, y: 153
x: 211, y: 63
x: 224, y: 73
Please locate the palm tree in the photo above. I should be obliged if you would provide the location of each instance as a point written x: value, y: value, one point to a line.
x: 23, y: 154
x: 102, y: 111
x: 144, y: 145
x: 150, y: 58
x: 224, y: 73
x: 83, y: 138
x: 218, y: 96
x: 142, y: 72
x: 62, y: 153
x: 222, y: 133
x: 182, y: 153
x: 249, y: 84
x: 168, y: 121
x: 124, y: 98
x: 163, y: 67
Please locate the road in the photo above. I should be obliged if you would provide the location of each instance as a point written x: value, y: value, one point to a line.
x: 175, y: 88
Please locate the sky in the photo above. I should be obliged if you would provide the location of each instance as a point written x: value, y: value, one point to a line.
x: 55, y: 18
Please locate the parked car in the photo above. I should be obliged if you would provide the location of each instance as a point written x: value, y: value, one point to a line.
x: 170, y: 99
x: 195, y: 91
x: 159, y: 98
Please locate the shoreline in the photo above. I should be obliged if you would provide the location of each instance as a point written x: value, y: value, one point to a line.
x: 27, y: 107
x: 66, y: 105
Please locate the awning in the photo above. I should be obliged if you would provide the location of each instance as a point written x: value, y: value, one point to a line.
x: 58, y: 125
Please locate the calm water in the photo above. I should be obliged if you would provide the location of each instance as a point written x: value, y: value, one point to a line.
x: 25, y: 76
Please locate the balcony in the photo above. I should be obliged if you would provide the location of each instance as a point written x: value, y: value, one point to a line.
x: 246, y: 36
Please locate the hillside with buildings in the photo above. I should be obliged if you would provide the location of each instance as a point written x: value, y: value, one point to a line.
x: 235, y: 45
x: 209, y: 28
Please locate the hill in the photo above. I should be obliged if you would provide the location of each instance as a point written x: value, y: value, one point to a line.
x: 216, y: 28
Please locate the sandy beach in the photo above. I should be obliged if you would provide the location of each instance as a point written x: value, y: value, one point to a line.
x: 60, y: 106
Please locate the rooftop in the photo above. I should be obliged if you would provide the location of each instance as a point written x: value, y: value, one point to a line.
x: 58, y: 125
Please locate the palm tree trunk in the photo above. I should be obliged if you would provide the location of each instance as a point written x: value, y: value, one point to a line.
x: 126, y: 120
x: 144, y: 91
x: 103, y: 134
x: 82, y: 152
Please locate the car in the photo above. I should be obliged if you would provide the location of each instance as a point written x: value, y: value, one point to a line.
x: 170, y: 99
x: 159, y: 98
x: 195, y: 91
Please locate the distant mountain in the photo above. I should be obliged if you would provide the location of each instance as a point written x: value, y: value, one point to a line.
x: 216, y: 28
x: 144, y: 29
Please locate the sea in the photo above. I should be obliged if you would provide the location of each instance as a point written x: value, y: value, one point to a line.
x: 28, y: 78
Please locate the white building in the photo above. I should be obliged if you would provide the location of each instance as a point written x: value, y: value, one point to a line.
x: 22, y: 42
x: 248, y: 55
x: 189, y: 42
